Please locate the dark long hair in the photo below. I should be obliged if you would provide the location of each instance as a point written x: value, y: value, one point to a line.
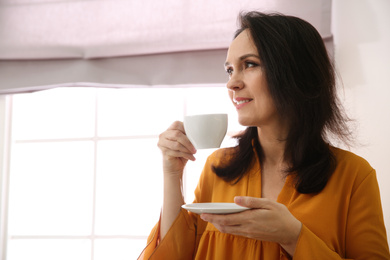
x: 301, y: 81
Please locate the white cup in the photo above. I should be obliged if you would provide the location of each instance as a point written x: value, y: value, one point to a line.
x: 206, y: 131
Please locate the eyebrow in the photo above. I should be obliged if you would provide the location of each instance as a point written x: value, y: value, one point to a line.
x: 243, y: 57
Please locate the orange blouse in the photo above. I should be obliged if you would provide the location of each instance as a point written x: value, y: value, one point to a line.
x: 343, y: 221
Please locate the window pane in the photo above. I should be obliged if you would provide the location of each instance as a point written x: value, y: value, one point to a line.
x: 46, y: 249
x: 51, y: 188
x: 207, y: 100
x: 138, y: 111
x: 56, y: 113
x: 129, y: 186
x: 52, y: 183
x: 193, y: 171
x: 118, y: 249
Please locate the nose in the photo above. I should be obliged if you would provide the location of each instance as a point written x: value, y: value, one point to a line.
x: 235, y: 83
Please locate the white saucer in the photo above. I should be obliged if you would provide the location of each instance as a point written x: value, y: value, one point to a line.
x: 214, y: 208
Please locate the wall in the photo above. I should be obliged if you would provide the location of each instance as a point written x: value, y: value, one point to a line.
x: 362, y: 54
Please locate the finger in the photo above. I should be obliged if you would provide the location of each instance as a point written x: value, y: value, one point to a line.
x: 175, y: 140
x: 237, y: 230
x: 253, y: 203
x: 183, y: 141
x: 172, y: 140
x: 222, y: 220
x: 178, y: 154
x: 177, y: 125
x: 175, y: 149
x: 177, y: 133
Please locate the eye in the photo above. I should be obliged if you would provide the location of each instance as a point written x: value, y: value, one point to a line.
x: 229, y: 71
x: 250, y: 64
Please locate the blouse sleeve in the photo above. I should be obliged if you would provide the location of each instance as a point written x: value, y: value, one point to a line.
x: 178, y: 243
x: 182, y: 238
x: 365, y: 231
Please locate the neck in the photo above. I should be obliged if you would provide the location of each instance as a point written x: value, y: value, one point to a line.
x: 273, y: 145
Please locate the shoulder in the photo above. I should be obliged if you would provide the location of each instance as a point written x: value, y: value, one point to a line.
x: 222, y: 156
x: 348, y: 159
x: 217, y: 158
x: 351, y: 167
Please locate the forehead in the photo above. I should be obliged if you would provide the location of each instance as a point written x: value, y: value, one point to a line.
x: 241, y: 45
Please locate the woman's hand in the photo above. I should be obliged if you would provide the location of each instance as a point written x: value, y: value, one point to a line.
x: 267, y: 220
x: 176, y: 149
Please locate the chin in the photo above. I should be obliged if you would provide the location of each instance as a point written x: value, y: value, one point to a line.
x: 244, y: 122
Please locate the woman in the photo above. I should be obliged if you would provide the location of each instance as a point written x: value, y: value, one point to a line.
x: 308, y: 199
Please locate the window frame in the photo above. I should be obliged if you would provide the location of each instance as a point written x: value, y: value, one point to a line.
x: 5, y: 151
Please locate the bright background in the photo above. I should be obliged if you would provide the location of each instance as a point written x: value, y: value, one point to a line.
x: 362, y: 56
x: 85, y: 176
x: 83, y: 141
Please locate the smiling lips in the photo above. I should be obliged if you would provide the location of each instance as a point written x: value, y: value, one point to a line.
x: 240, y: 102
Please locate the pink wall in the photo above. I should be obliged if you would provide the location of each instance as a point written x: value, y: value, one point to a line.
x: 362, y: 53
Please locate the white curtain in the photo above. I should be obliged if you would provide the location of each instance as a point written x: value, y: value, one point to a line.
x: 123, y: 42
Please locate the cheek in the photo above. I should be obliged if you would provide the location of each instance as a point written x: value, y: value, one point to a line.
x: 230, y: 93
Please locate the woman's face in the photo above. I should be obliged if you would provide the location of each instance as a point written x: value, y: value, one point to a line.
x: 247, y: 85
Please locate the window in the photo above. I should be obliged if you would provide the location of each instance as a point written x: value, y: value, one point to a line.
x: 85, y: 178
